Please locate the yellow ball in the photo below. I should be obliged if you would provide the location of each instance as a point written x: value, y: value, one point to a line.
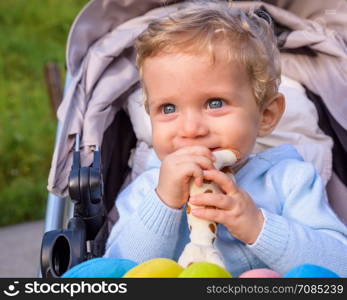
x: 204, y: 270
x: 155, y: 268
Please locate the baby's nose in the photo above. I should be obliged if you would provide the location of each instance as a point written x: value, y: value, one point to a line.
x: 193, y: 125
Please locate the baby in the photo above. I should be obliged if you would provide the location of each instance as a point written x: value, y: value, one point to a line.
x: 210, y: 75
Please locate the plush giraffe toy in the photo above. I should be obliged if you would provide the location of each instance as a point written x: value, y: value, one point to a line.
x: 203, y: 232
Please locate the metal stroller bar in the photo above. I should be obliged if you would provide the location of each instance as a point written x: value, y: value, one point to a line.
x: 56, y: 206
x: 55, y: 217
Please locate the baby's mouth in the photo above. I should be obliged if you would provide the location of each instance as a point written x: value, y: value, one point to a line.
x: 216, y: 149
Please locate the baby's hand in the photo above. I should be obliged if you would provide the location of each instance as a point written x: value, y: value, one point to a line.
x: 176, y: 171
x: 234, y: 208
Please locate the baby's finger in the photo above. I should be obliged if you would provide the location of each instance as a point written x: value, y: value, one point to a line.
x: 197, y: 150
x: 202, y: 161
x: 211, y: 214
x: 192, y: 170
x: 222, y: 180
x: 219, y: 201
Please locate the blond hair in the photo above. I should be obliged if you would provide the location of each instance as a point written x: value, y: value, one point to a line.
x: 198, y: 25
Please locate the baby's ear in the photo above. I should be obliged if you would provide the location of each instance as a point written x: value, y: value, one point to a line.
x: 271, y: 113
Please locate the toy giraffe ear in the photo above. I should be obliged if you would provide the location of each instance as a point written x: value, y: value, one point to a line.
x: 224, y: 158
x: 271, y: 113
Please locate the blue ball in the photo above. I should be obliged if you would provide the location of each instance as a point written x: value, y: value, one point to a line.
x: 310, y: 271
x: 100, y: 267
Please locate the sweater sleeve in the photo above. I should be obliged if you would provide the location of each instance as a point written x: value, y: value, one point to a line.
x: 147, y: 228
x: 306, y: 231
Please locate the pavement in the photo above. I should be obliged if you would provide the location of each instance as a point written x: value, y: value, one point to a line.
x: 20, y: 247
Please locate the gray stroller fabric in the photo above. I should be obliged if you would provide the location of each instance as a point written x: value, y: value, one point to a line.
x: 101, y: 62
x: 89, y: 106
x: 330, y: 14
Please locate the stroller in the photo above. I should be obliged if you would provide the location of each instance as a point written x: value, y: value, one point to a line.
x: 103, y: 133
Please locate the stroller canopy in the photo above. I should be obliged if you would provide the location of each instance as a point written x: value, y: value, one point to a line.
x: 101, y: 65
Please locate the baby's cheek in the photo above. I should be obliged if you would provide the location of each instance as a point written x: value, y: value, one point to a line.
x: 161, y: 145
x: 245, y: 140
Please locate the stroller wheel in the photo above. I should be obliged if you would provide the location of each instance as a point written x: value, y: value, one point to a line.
x: 61, y: 256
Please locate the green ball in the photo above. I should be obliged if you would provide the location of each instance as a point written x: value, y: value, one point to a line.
x: 204, y: 270
x: 155, y: 268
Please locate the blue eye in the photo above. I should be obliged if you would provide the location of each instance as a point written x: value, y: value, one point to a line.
x: 168, y: 108
x: 215, y: 103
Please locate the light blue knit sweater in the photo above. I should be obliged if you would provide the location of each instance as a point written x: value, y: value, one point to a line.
x: 299, y: 227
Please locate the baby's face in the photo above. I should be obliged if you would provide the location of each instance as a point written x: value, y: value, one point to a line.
x: 195, y: 102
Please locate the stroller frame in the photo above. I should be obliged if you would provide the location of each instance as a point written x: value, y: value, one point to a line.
x: 86, y: 191
x: 85, y: 217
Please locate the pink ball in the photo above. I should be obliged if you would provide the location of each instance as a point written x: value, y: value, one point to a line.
x: 260, y: 273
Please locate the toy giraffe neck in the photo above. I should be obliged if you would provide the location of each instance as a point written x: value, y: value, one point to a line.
x: 203, y: 232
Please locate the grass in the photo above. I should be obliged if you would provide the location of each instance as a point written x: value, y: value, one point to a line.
x: 32, y: 33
